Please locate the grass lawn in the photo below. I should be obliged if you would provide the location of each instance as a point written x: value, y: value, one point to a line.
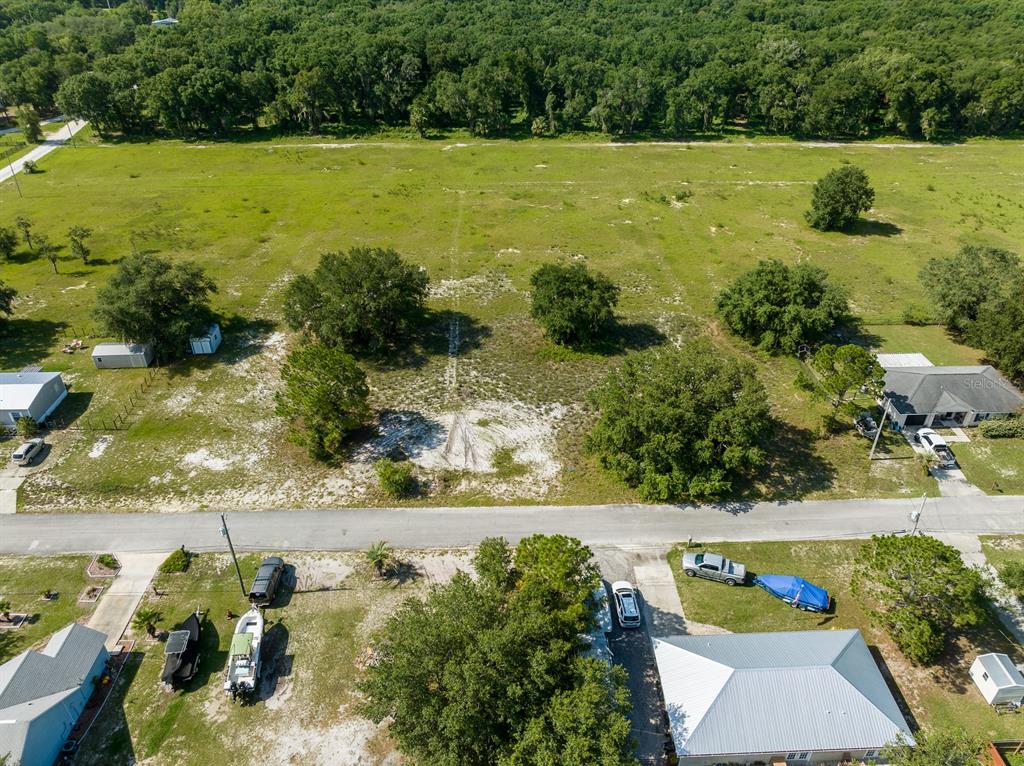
x: 1000, y: 549
x: 936, y: 696
x: 304, y: 710
x: 22, y: 582
x: 480, y: 217
x: 995, y: 465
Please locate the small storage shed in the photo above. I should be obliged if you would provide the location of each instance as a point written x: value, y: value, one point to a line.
x: 29, y: 395
x: 998, y: 679
x: 121, y: 355
x: 208, y: 343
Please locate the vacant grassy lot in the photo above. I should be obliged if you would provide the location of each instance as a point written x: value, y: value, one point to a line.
x: 999, y: 549
x: 304, y: 711
x: 938, y: 695
x: 995, y: 465
x: 480, y: 217
x: 22, y: 582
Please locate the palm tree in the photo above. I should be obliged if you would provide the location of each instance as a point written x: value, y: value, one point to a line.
x: 379, y: 554
x: 146, y: 618
x: 5, y: 609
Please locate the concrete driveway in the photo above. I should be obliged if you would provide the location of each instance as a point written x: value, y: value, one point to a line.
x: 953, y: 483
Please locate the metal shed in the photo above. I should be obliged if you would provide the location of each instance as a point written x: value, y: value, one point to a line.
x: 208, y: 343
x: 120, y: 355
x: 998, y: 679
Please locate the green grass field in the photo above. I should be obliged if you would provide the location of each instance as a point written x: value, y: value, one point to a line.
x: 939, y: 695
x: 22, y: 582
x: 479, y: 216
x: 315, y: 631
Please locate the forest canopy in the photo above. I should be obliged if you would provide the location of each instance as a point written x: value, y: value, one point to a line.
x: 830, y: 68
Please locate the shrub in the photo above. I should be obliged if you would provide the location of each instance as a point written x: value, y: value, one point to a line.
x: 1012, y: 576
x: 26, y: 427
x: 917, y: 315
x: 1003, y: 428
x: 395, y: 478
x: 177, y: 562
x: 30, y: 167
x: 108, y: 560
x: 839, y: 198
x: 572, y: 304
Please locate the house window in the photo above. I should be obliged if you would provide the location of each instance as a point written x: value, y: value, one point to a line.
x: 871, y: 754
x: 798, y: 757
x: 984, y: 675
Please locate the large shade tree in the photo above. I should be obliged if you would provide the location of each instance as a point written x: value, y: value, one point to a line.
x: 571, y: 303
x: 919, y: 589
x: 839, y: 198
x: 490, y: 671
x: 365, y: 300
x: 960, y: 284
x: 778, y: 307
x: 681, y: 423
x: 156, y: 300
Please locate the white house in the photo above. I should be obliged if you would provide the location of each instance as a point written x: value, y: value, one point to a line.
x: 43, y: 693
x: 29, y: 394
x: 798, y: 698
x: 998, y: 679
x: 929, y: 396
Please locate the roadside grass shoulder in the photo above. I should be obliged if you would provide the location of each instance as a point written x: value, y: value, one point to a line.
x: 938, y: 695
x: 22, y: 582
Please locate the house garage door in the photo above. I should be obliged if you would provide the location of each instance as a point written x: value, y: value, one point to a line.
x: 915, y: 420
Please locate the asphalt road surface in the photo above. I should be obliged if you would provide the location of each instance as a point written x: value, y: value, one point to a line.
x: 621, y: 525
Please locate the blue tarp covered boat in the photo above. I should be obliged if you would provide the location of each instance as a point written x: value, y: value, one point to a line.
x: 795, y: 591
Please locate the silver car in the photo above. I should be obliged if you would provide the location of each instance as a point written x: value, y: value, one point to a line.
x: 27, y: 452
x: 713, y: 566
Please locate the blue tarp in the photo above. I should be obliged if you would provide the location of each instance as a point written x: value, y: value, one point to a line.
x: 795, y: 591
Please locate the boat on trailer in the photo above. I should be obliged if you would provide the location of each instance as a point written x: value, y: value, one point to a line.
x: 243, y: 673
x: 181, y: 653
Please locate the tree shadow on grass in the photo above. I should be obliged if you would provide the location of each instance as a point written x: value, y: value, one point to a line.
x: 622, y: 337
x: 441, y: 333
x: 27, y: 341
x: 867, y: 228
x: 242, y: 338
x: 792, y: 469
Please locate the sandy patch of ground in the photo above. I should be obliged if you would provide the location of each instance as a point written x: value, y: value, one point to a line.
x: 75, y: 287
x: 344, y: 744
x: 482, y: 287
x: 319, y: 571
x: 100, y: 446
x: 439, y: 567
x: 180, y: 400
x: 203, y: 458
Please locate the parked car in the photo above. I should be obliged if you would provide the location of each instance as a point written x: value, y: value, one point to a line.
x: 714, y: 566
x: 627, y: 607
x: 27, y: 452
x: 935, y: 444
x: 268, y: 577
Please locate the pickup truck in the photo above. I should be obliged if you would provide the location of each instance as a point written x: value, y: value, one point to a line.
x: 935, y: 444
x: 713, y: 566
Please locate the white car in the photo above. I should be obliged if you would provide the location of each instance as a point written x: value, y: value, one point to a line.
x: 27, y: 452
x: 935, y: 444
x: 627, y: 607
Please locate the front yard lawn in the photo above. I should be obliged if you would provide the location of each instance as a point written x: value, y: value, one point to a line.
x: 994, y: 465
x: 22, y: 582
x: 304, y: 710
x: 940, y: 695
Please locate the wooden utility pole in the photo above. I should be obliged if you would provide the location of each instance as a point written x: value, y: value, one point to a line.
x: 238, y: 571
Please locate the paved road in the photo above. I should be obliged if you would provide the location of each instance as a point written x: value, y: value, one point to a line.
x: 44, y: 148
x: 350, y: 529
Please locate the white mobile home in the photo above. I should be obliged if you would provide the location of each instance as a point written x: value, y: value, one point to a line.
x: 998, y: 679
x: 121, y: 355
x: 29, y: 395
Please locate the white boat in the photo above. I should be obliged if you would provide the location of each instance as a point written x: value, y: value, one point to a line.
x: 244, y: 660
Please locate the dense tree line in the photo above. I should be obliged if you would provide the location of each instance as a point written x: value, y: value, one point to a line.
x: 844, y: 68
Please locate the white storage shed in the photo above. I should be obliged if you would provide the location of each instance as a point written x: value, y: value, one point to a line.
x: 998, y: 679
x: 121, y: 355
x: 208, y: 343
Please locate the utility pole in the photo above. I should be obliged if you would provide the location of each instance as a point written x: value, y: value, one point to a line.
x: 878, y: 435
x: 71, y: 135
x: 224, y: 531
x: 14, y: 175
x: 915, y: 515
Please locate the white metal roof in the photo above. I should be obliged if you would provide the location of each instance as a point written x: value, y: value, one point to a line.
x: 795, y: 691
x: 119, y: 349
x: 891, y: 361
x: 19, y: 389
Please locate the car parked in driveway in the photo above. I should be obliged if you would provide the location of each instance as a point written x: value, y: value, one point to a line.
x: 264, y: 585
x: 935, y: 444
x: 27, y: 452
x: 713, y: 566
x: 627, y: 606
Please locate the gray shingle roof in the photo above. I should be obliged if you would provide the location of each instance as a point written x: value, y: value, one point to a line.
x: 64, y: 664
x: 924, y: 390
x: 764, y: 693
